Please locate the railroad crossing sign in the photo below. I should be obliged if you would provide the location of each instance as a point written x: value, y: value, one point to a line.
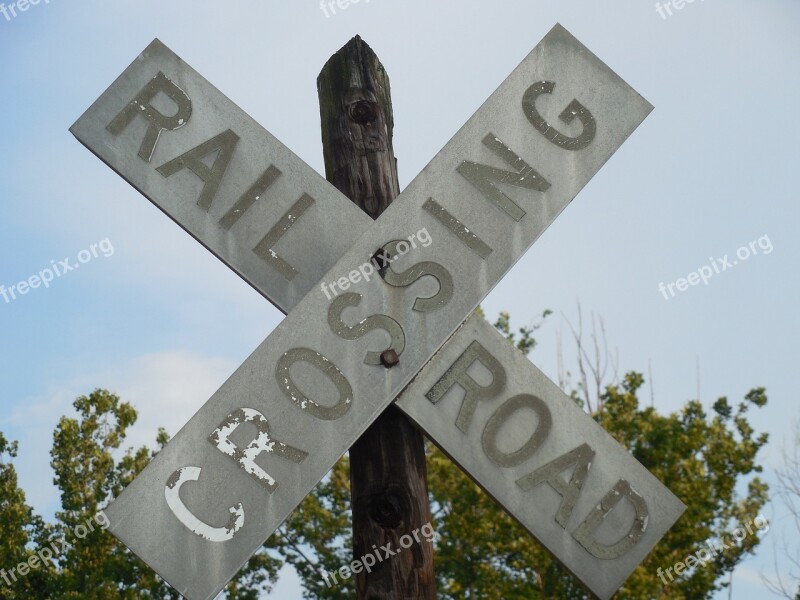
x: 250, y: 455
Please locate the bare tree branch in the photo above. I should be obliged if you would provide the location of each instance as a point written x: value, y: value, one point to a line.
x: 594, y: 367
x: 787, y: 585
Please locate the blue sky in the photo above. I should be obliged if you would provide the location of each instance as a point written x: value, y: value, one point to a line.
x: 163, y: 323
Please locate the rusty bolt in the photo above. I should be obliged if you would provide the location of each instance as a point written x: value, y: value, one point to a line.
x: 389, y: 358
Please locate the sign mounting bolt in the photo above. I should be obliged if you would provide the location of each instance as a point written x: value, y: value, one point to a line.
x: 389, y: 358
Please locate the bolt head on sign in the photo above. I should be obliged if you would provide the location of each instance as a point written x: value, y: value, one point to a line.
x: 227, y: 480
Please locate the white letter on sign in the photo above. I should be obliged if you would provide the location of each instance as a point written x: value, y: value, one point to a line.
x: 362, y: 328
x: 505, y: 414
x: 481, y: 176
x: 284, y: 377
x: 221, y: 147
x: 140, y: 105
x: 585, y: 531
x: 246, y: 459
x: 580, y: 459
x: 474, y: 392
x: 172, y: 493
x: 574, y: 109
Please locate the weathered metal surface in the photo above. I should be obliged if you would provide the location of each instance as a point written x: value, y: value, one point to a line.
x: 305, y: 394
x: 221, y: 176
x: 547, y: 462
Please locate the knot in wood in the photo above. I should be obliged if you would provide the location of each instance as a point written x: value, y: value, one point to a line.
x: 364, y: 111
x: 387, y: 510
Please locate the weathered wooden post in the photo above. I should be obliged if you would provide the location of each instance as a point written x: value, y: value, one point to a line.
x: 387, y: 464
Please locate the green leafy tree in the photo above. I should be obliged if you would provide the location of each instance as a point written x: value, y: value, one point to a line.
x: 21, y: 528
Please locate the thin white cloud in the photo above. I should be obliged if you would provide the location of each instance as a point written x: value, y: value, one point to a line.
x: 167, y: 388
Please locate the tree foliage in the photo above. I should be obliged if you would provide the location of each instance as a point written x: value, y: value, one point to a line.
x: 21, y: 528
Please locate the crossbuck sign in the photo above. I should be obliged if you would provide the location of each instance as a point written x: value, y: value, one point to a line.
x: 250, y: 455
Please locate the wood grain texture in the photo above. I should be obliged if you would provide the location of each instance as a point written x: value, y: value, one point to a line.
x: 388, y: 475
x: 357, y: 124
